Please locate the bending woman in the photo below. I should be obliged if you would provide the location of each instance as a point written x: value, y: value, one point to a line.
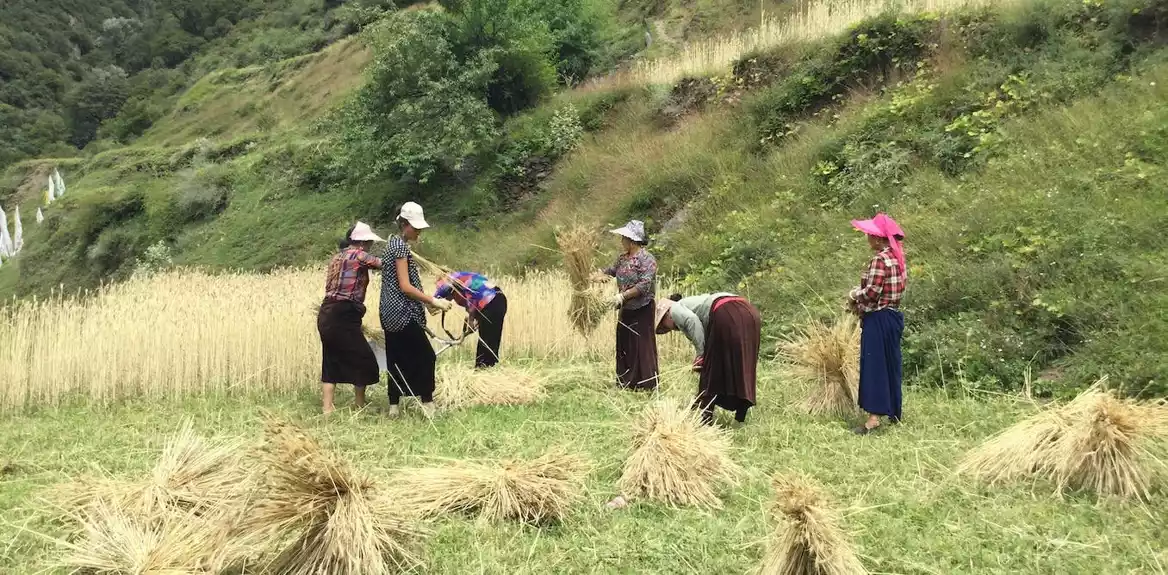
x: 726, y: 332
x: 636, y: 277
x: 486, y: 306
x: 877, y: 302
x: 346, y: 355
x: 409, y: 355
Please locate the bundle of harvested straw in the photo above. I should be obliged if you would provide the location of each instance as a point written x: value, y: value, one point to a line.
x: 501, y: 385
x: 193, y: 474
x: 828, y: 358
x: 340, y: 520
x: 579, y: 244
x: 534, y: 491
x: 114, y: 542
x: 1098, y: 442
x: 810, y: 540
x: 676, y: 458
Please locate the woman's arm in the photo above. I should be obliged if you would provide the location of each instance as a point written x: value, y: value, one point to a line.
x: 873, y: 284
x: 403, y: 283
x: 369, y: 260
x: 688, y: 323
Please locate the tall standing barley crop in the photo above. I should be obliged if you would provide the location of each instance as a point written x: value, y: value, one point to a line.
x: 190, y: 332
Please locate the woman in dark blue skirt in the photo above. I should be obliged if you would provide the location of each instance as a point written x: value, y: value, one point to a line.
x: 877, y: 302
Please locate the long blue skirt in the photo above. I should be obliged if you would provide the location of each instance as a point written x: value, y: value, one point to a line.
x: 880, y: 366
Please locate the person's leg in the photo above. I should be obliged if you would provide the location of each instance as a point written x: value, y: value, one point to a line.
x: 359, y: 397
x: 895, y: 368
x: 328, y: 391
x: 395, y: 395
x: 875, y: 396
x: 740, y: 414
x: 706, y: 406
x: 623, y: 364
x: 490, y: 332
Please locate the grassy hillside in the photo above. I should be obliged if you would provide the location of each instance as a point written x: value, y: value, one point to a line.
x: 1020, y: 148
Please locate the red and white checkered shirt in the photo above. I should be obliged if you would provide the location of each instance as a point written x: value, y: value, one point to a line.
x: 348, y: 275
x: 882, y: 285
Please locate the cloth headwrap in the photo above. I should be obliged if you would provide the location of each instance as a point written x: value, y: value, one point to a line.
x: 885, y: 227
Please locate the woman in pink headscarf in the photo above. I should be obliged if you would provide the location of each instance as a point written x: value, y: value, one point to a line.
x: 877, y: 302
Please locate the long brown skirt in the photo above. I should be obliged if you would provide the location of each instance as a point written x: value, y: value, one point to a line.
x: 346, y: 355
x: 636, y: 349
x: 730, y: 364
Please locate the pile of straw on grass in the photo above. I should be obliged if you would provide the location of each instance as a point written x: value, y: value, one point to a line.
x: 536, y: 491
x: 318, y: 515
x: 1098, y: 442
x: 810, y: 540
x: 463, y: 387
x: 588, y: 307
x: 193, y: 474
x: 183, y: 517
x: 827, y: 357
x: 115, y: 542
x: 676, y: 458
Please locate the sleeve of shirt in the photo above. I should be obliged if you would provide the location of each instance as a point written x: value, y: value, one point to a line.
x: 443, y: 291
x: 611, y: 270
x: 874, y: 282
x: 369, y: 260
x: 689, y: 324
x: 396, y: 249
x: 646, y: 275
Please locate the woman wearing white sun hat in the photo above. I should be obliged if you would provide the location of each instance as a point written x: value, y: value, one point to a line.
x: 635, y: 271
x: 346, y: 356
x: 409, y: 355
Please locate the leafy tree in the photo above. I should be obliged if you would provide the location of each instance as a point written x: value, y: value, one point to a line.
x: 95, y: 99
x: 422, y: 110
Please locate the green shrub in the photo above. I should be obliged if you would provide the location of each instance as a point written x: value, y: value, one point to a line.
x: 202, y: 193
x: 421, y: 110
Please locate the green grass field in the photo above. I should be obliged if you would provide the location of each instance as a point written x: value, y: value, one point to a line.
x: 904, y: 507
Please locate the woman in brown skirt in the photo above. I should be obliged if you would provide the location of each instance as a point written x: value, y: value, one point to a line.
x: 636, y: 277
x: 347, y: 357
x: 726, y: 331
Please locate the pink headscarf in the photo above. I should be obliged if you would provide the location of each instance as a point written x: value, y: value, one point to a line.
x: 883, y: 226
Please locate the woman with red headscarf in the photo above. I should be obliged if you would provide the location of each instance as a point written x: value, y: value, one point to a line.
x: 877, y: 302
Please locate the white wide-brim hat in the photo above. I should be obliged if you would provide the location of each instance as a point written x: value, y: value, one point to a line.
x: 663, y: 307
x: 363, y: 233
x: 412, y: 213
x: 634, y: 230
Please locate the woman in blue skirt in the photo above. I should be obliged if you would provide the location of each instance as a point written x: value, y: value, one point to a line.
x: 877, y: 302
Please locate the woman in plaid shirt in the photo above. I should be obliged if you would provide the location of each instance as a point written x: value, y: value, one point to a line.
x: 877, y: 302
x: 346, y: 355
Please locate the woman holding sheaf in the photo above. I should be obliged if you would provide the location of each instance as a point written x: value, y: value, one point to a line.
x: 635, y: 271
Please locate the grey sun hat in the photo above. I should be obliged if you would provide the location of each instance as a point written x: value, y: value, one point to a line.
x: 634, y: 230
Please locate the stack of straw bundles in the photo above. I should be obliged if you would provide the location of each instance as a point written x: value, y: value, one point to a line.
x: 578, y: 245
x: 464, y: 387
x: 534, y: 491
x: 318, y: 515
x: 676, y: 458
x: 828, y: 358
x: 810, y: 540
x: 184, y: 517
x: 1098, y: 442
